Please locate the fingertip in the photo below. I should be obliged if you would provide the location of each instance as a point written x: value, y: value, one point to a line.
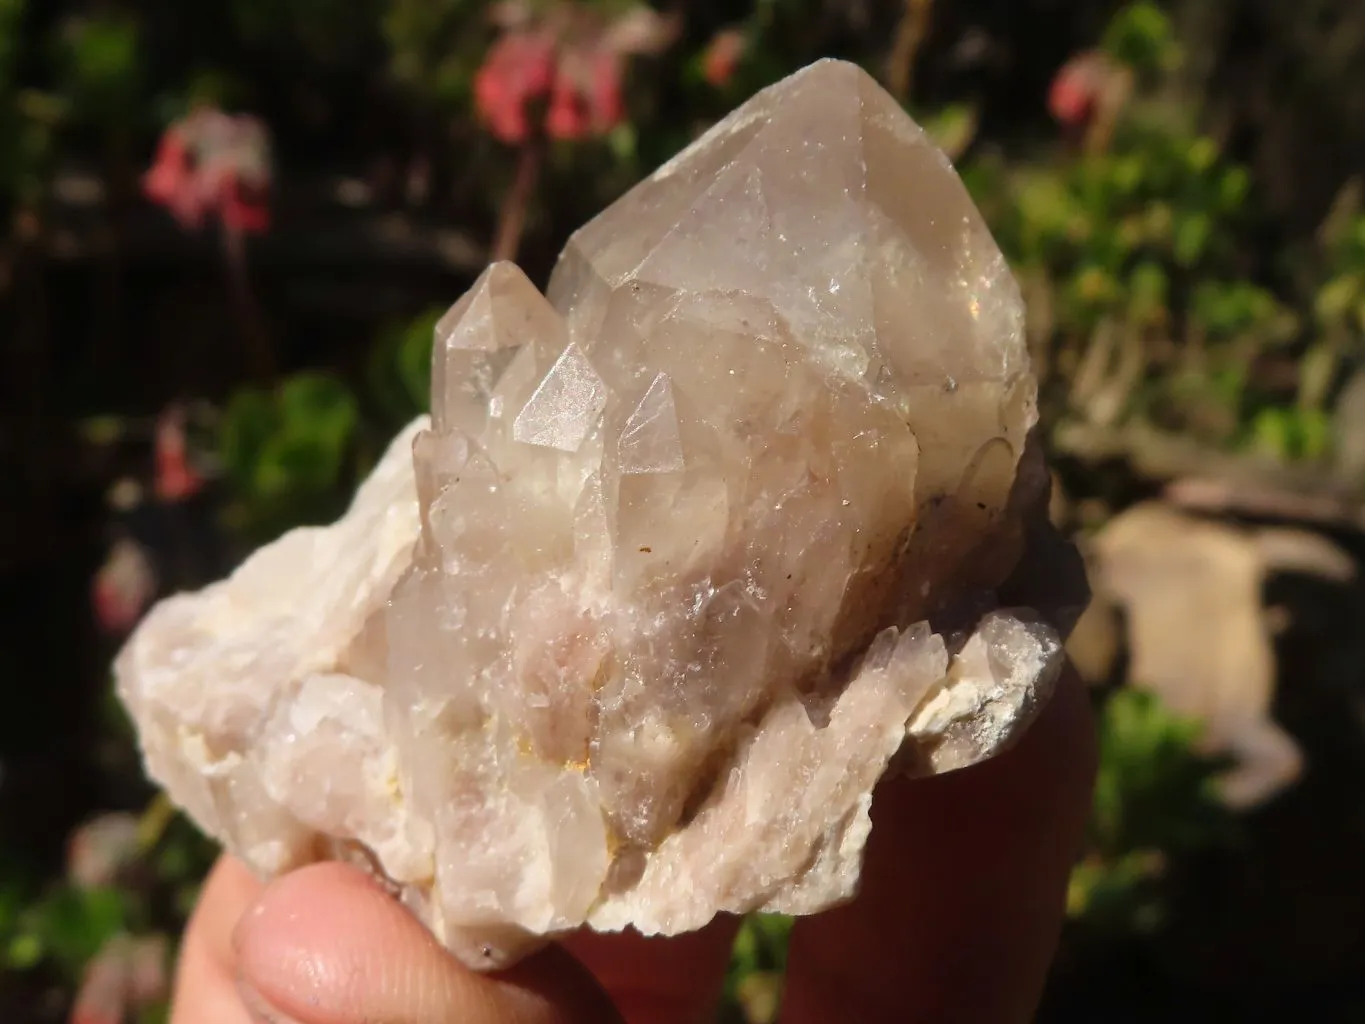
x: 327, y: 945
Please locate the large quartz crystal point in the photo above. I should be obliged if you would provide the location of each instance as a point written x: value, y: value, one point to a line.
x: 689, y: 555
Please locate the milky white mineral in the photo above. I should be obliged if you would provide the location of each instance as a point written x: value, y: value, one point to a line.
x: 692, y: 551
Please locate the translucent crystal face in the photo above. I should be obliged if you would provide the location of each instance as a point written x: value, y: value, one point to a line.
x: 676, y: 490
x: 691, y: 547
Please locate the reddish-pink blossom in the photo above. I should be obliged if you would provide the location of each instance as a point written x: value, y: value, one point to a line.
x: 567, y: 58
x: 567, y: 115
x: 148, y: 978
x: 103, y: 995
x: 212, y: 162
x: 1076, y: 89
x: 176, y: 478
x: 722, y: 56
x: 245, y: 208
x: 101, y: 848
x: 173, y: 183
x: 123, y: 587
x: 586, y: 98
x: 604, y: 94
x: 519, y: 70
x: 125, y: 976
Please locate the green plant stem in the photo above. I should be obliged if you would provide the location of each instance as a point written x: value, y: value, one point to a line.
x: 154, y: 821
x: 910, y: 33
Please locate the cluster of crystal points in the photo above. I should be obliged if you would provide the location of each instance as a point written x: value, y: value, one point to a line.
x: 687, y: 554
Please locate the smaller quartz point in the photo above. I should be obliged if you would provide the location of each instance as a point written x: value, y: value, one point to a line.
x: 744, y: 515
x: 565, y: 406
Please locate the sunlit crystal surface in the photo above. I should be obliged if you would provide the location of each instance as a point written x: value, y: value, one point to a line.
x: 691, y: 548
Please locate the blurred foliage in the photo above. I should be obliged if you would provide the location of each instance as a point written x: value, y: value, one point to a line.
x: 1155, y: 799
x: 1141, y: 36
x: 436, y: 46
x: 1153, y: 295
x: 285, y: 452
x: 1340, y: 304
x: 1152, y: 790
x: 293, y: 456
x: 753, y: 984
x: 400, y: 367
x: 98, y: 61
x: 27, y: 119
x: 68, y: 926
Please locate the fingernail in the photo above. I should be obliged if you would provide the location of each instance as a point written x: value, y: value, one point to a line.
x: 261, y: 1012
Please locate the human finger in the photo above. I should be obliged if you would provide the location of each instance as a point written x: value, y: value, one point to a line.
x: 205, y: 977
x: 327, y: 945
x: 658, y: 980
x: 963, y: 888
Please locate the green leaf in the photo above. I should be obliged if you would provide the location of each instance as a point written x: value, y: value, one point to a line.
x: 1233, y: 187
x: 1148, y: 290
x: 317, y: 405
x: 102, y: 64
x: 286, y: 452
x: 24, y: 952
x: 249, y: 421
x: 1128, y: 174
x: 299, y: 466
x: 744, y: 956
x: 1314, y: 440
x: 1272, y: 433
x: 1192, y: 233
x: 1141, y: 36
x: 1336, y: 297
x: 1201, y: 155
x: 72, y: 925
x: 1152, y: 789
x: 1229, y: 309
x: 414, y: 360
x: 1118, y: 895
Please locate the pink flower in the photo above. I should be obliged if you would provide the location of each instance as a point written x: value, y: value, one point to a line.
x: 99, y: 850
x: 244, y: 208
x: 176, y: 478
x: 722, y: 56
x: 123, y: 587
x: 1076, y: 89
x: 125, y: 976
x: 568, y: 59
x: 172, y: 182
x: 212, y: 162
x: 567, y: 116
x: 518, y: 70
x: 103, y: 995
x: 148, y: 978
x: 607, y: 107
x: 586, y: 98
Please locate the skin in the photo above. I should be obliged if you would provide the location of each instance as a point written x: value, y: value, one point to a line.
x: 959, y: 914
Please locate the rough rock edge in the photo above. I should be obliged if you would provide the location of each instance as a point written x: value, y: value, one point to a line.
x: 976, y: 701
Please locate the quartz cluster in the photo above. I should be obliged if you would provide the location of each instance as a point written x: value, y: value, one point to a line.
x: 691, y: 552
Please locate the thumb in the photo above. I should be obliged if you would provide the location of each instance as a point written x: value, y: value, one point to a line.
x: 327, y: 945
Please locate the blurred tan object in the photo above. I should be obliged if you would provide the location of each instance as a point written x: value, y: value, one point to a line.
x: 1348, y: 429
x: 1096, y: 641
x: 1198, y: 635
